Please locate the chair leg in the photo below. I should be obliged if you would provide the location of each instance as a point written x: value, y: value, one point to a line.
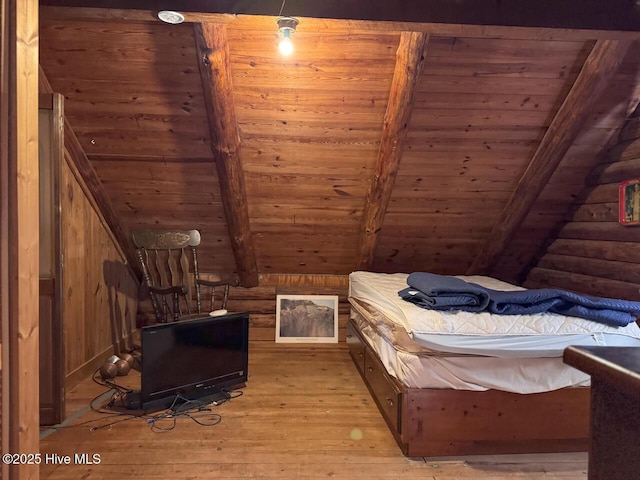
x: 225, y: 296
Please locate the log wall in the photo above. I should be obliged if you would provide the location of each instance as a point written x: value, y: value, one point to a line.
x: 593, y: 253
x: 260, y: 301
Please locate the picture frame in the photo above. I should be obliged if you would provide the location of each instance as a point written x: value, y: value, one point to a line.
x: 629, y: 202
x: 306, y: 318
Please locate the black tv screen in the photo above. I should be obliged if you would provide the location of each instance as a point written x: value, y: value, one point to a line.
x: 193, y: 358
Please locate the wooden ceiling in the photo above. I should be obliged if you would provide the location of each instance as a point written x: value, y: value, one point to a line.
x: 379, y: 145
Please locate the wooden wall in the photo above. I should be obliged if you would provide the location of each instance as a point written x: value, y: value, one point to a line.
x: 593, y: 253
x: 100, y: 293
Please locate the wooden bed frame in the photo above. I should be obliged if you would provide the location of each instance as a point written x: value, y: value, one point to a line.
x: 440, y: 422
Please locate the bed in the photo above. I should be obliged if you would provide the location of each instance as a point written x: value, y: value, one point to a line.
x: 461, y: 383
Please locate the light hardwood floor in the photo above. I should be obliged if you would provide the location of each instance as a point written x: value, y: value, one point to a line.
x: 305, y: 414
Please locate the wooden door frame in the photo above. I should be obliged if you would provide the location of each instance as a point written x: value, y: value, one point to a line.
x: 54, y: 412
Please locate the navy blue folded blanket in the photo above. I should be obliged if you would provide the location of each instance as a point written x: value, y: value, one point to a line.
x: 440, y: 292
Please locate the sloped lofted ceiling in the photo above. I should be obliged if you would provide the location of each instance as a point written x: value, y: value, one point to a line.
x: 369, y: 147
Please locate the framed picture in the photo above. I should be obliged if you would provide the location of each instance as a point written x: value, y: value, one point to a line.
x: 307, y: 318
x: 629, y: 202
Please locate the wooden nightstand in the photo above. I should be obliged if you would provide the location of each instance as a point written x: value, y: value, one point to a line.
x: 614, y: 451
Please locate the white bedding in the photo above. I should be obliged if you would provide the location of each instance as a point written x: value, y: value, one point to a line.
x: 484, y: 333
x: 518, y: 375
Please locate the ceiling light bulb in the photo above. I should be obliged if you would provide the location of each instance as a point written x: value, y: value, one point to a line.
x: 286, y: 45
x: 287, y: 25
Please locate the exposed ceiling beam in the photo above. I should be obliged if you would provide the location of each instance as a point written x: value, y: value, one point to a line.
x: 213, y: 56
x: 341, y: 25
x: 94, y: 190
x: 409, y: 62
x: 600, y: 66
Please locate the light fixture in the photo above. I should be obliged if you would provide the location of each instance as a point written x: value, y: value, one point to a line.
x: 287, y: 25
x: 169, y: 16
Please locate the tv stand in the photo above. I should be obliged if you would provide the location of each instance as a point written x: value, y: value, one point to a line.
x: 176, y: 403
x: 184, y: 404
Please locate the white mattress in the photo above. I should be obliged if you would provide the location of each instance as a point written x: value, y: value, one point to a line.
x: 484, y: 333
x: 517, y: 375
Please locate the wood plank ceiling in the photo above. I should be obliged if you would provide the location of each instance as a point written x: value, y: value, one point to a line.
x: 344, y: 163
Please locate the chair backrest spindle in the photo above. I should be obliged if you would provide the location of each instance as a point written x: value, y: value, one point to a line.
x: 169, y: 261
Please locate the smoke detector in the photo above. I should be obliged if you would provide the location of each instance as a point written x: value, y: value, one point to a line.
x: 169, y: 16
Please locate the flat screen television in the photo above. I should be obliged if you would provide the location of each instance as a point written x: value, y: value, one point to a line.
x: 193, y: 359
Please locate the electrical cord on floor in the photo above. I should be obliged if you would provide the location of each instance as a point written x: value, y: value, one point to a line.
x: 198, y: 411
x: 233, y: 394
x: 203, y: 417
x: 123, y: 416
x: 175, y: 410
x: 128, y: 416
x: 108, y: 382
x: 117, y: 395
x: 117, y: 398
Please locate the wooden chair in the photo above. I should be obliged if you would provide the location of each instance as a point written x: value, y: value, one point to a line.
x: 169, y: 262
